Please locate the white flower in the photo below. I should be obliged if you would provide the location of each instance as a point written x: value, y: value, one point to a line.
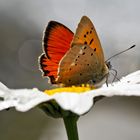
x: 79, y: 103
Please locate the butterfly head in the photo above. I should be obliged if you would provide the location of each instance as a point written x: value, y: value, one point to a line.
x: 108, y: 64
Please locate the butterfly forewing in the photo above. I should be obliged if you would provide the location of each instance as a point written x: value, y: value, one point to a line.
x: 86, y: 34
x: 56, y: 42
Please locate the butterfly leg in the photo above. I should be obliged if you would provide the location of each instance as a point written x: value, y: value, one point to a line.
x: 115, y: 75
x: 107, y: 75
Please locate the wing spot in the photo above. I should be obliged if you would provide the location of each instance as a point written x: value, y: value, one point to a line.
x: 69, y: 80
x: 90, y: 32
x: 94, y: 81
x: 91, y: 41
x: 83, y: 53
x: 85, y: 42
x: 75, y: 64
x: 91, y: 54
x: 78, y: 56
x: 70, y: 69
x: 92, y: 28
x: 87, y: 32
x: 95, y: 50
x: 75, y: 59
x: 85, y: 36
x: 85, y: 47
x: 87, y: 64
x: 80, y: 74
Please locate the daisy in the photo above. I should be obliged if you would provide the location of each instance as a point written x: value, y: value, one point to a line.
x: 68, y: 103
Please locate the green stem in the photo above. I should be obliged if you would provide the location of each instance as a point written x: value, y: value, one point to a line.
x: 71, y: 127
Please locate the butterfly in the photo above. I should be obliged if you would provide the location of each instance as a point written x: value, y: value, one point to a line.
x: 73, y: 59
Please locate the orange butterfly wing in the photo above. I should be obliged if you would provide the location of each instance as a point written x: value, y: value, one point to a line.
x: 84, y: 61
x: 86, y: 34
x: 56, y: 42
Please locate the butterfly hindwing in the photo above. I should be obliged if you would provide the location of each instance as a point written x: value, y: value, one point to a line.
x: 48, y: 67
x: 79, y: 65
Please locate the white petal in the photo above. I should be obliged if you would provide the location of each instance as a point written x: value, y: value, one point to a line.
x: 25, y: 99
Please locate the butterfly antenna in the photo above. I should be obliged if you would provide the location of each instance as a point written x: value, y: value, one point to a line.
x: 120, y: 53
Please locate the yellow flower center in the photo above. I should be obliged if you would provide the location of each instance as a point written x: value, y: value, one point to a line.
x: 75, y: 89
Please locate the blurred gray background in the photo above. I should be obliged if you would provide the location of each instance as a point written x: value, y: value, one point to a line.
x: 21, y: 26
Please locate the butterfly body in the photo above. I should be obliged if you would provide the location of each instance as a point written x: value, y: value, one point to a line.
x: 75, y: 59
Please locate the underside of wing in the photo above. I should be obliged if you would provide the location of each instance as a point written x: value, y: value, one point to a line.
x: 86, y: 34
x: 79, y: 65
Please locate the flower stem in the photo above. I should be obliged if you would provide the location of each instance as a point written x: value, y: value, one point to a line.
x: 71, y: 126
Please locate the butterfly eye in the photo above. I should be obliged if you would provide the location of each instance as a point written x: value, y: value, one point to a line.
x: 109, y: 65
x: 94, y: 81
